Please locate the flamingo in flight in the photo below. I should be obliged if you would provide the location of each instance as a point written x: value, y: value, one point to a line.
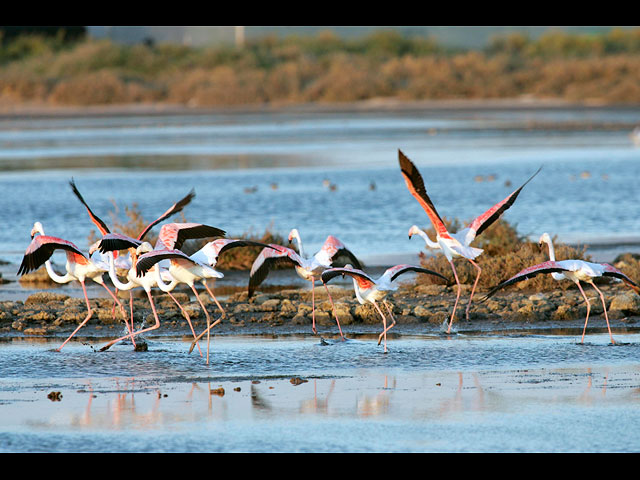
x: 575, y: 270
x: 172, y: 234
x: 332, y: 253
x: 453, y: 244
x: 78, y: 266
x: 370, y: 290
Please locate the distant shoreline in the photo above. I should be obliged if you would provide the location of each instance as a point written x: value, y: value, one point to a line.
x: 371, y: 105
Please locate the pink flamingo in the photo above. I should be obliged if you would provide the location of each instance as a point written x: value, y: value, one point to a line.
x: 453, y: 244
x: 575, y: 270
x: 78, y: 267
x: 370, y: 290
x: 332, y: 253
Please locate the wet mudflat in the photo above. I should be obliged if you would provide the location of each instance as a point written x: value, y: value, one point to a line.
x: 488, y: 392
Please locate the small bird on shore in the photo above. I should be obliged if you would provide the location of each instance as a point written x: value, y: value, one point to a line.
x: 453, y: 244
x: 370, y: 290
x: 575, y: 270
x: 332, y: 253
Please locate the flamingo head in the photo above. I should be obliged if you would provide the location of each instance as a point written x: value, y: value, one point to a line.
x: 144, y: 247
x: 293, y: 234
x: 94, y: 247
x: 544, y: 238
x: 37, y: 228
x: 414, y: 230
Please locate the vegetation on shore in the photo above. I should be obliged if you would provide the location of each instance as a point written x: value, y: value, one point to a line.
x: 325, y: 68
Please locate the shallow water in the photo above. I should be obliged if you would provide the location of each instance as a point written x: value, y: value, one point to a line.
x: 490, y: 393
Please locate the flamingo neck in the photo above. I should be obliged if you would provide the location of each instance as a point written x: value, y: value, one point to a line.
x: 54, y: 276
x: 114, y: 277
x: 299, y: 242
x: 552, y: 253
x: 164, y: 286
x: 356, y: 287
x: 427, y: 240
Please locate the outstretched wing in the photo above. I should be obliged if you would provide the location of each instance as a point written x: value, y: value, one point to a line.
x: 210, y: 253
x: 395, y: 272
x: 117, y: 241
x: 529, y: 272
x: 415, y: 184
x: 40, y: 250
x: 268, y: 259
x: 611, y: 271
x: 148, y: 260
x: 334, y: 253
x: 175, y: 208
x: 94, y: 218
x: 363, y: 280
x: 173, y: 235
x: 484, y: 221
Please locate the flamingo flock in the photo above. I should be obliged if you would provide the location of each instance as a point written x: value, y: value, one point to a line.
x: 165, y: 265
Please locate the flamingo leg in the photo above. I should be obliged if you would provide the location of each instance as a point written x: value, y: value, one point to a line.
x: 186, y: 315
x: 335, y: 314
x: 605, y: 311
x: 393, y: 320
x: 153, y: 327
x: 588, y: 310
x: 384, y: 327
x: 208, y: 319
x: 474, y: 285
x: 124, y: 315
x: 453, y: 313
x: 313, y: 305
x: 224, y: 314
x: 89, y: 313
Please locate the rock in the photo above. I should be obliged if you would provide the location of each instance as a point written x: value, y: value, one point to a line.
x: 287, y: 308
x: 366, y: 313
x: 270, y: 305
x: 431, y: 289
x: 628, y: 303
x: 45, y: 297
x: 421, y: 312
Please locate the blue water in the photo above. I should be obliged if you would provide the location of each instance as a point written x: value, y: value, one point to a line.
x: 586, y: 191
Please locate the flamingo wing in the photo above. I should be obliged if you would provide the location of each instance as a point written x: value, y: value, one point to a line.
x: 40, y: 250
x: 117, y: 241
x: 335, y: 254
x: 175, y: 208
x: 484, y: 221
x: 148, y: 260
x: 268, y: 259
x: 364, y: 281
x: 415, y: 184
x: 395, y: 272
x: 173, y: 235
x: 611, y: 271
x: 94, y: 218
x: 527, y: 273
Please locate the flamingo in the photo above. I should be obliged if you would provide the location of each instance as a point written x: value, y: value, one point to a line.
x: 575, y: 270
x: 453, y: 244
x: 78, y: 267
x: 332, y: 252
x: 170, y: 234
x: 369, y: 290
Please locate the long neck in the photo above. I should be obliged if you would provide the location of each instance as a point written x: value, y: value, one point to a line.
x: 300, y: 251
x: 164, y: 286
x: 427, y: 240
x: 356, y: 287
x: 55, y: 277
x: 114, y: 277
x: 552, y: 253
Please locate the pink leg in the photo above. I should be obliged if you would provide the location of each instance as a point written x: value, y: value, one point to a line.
x: 215, y: 299
x: 186, y: 315
x: 124, y: 315
x: 334, y: 310
x: 89, y: 313
x: 588, y: 310
x: 384, y: 327
x: 153, y: 327
x: 605, y: 312
x: 393, y: 320
x: 453, y: 314
x: 313, y: 306
x: 474, y: 285
x: 208, y: 319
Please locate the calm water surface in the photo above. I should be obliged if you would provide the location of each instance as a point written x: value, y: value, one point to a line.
x: 521, y: 393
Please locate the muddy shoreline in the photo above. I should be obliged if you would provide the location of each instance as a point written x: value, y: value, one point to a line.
x: 419, y: 310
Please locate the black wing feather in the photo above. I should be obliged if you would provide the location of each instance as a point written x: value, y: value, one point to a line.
x: 176, y: 208
x: 419, y: 270
x: 262, y: 271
